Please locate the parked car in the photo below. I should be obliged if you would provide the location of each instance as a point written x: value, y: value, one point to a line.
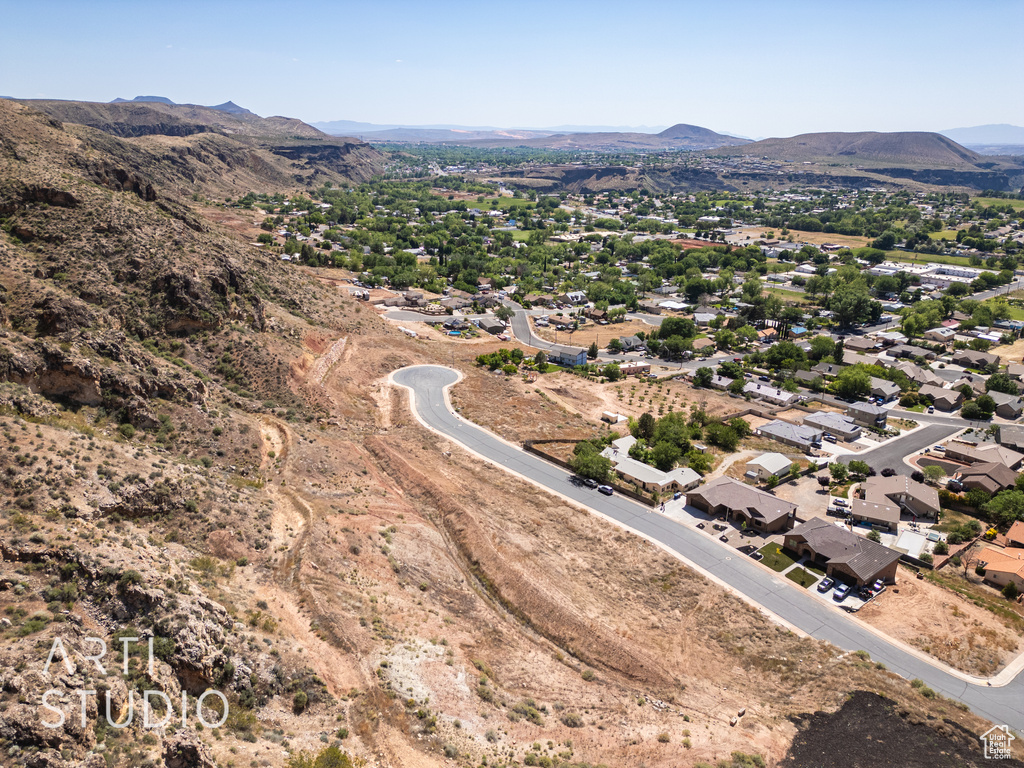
x: 605, y: 489
x: 829, y: 438
x: 940, y: 448
x: 825, y: 585
x: 841, y: 502
x: 878, y: 586
x: 737, y: 359
x: 840, y: 592
x: 931, y: 409
x: 764, y: 378
x: 590, y: 482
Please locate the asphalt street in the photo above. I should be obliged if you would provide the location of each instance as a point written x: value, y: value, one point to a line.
x: 891, y: 452
x: 1003, y: 705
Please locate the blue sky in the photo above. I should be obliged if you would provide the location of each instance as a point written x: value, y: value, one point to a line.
x: 750, y: 68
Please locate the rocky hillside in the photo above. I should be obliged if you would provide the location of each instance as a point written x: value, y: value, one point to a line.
x: 201, y: 453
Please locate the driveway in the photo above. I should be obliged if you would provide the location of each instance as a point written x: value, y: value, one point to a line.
x: 775, y: 594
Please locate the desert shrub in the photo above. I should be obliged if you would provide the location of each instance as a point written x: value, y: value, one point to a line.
x: 572, y: 720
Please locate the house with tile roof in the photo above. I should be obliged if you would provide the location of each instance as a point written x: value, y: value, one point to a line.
x: 761, y: 510
x: 843, y: 554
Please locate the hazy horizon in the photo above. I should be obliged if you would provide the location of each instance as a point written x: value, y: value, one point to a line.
x: 747, y: 69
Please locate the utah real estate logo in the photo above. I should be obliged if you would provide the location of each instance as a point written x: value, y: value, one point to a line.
x: 997, y: 742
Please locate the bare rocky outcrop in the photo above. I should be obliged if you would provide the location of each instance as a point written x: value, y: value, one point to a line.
x: 185, y: 750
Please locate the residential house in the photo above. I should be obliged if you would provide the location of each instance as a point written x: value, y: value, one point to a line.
x: 828, y: 370
x: 632, y: 344
x: 596, y: 314
x: 491, y: 325
x: 860, y: 344
x: 940, y: 334
x: 943, y: 399
x: 704, y: 319
x: 768, y: 464
x: 761, y: 510
x: 652, y: 479
x: 701, y: 344
x: 834, y: 423
x: 576, y: 298
x: 806, y: 377
x: 908, y: 350
x: 769, y: 393
x: 868, y: 415
x: 1007, y: 406
x: 1011, y: 436
x: 1015, y: 536
x: 971, y: 453
x: 920, y: 375
x: 844, y: 555
x: 991, y: 476
x: 797, y: 435
x: 876, y: 514
x: 569, y: 356
x: 797, y: 332
x: 767, y: 335
x: 917, y: 498
x: 1015, y: 371
x: 1002, y: 566
x: 884, y: 389
x: 721, y: 382
x: 972, y: 380
x: 650, y: 307
x: 630, y: 368
x: 970, y: 358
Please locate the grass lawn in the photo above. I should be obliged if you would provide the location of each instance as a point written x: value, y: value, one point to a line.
x: 812, y: 567
x: 504, y: 203
x: 917, y: 408
x: 842, y: 491
x: 1016, y: 313
x: 777, y: 557
x: 1017, y: 205
x: 793, y: 297
x: 521, y: 234
x: 907, y: 257
x: 802, y: 577
x: 943, y: 234
x: 952, y: 519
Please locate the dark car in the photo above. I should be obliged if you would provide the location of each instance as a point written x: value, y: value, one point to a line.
x: 605, y: 489
x: 590, y: 482
x: 764, y: 378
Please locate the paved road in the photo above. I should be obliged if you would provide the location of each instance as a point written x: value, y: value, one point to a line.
x: 1000, y: 704
x: 891, y: 452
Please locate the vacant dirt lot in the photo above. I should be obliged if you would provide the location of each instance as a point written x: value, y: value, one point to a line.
x: 1010, y: 353
x: 591, y: 332
x: 943, y: 624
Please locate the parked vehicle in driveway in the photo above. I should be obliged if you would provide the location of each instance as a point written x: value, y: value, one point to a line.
x: 840, y: 592
x: 605, y: 489
x: 878, y: 586
x: 841, y: 502
x: 931, y: 409
x: 825, y: 584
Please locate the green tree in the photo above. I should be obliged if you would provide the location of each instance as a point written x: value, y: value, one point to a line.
x: 821, y: 346
x: 875, y: 536
x: 934, y: 473
x: 1001, y: 382
x: 592, y: 351
x: 541, y: 359
x: 503, y: 313
x: 647, y: 425
x: 852, y: 383
x: 702, y: 377
x: 860, y: 468
x: 839, y: 472
x: 1006, y: 507
x: 665, y: 455
x: 612, y: 372
x: 586, y: 461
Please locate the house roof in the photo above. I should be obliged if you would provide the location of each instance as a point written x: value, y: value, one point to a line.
x: 831, y: 421
x: 739, y: 497
x: 993, y: 476
x: 872, y: 510
x: 886, y: 386
x: 881, y: 490
x: 775, y: 463
x: 838, y: 545
x: 974, y: 358
x: 866, y: 409
x: 795, y: 433
x: 921, y: 375
x: 1016, y: 533
x: 860, y: 344
x: 1011, y: 435
x: 703, y: 343
x: 721, y: 381
x: 1002, y: 560
x: 1001, y: 398
x: 938, y: 394
x: 975, y: 454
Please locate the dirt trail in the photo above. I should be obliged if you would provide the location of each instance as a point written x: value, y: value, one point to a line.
x: 743, y: 456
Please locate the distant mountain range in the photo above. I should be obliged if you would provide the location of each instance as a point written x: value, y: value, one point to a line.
x: 865, y: 148
x: 999, y: 139
x: 680, y: 136
x: 356, y: 128
x: 228, y: 106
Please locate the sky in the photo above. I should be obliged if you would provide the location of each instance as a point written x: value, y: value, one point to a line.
x: 753, y: 69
